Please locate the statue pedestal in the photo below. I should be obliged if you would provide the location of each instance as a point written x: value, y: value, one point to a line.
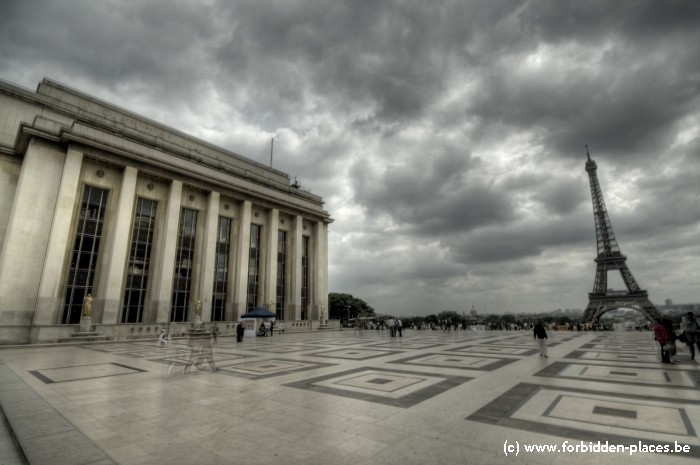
x: 85, y: 324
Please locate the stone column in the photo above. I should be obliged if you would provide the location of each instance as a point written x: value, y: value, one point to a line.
x: 206, y: 275
x: 294, y: 308
x: 118, y: 250
x: 28, y: 231
x: 48, y: 303
x: 320, y: 270
x: 240, y: 286
x: 161, y: 293
x: 270, y: 293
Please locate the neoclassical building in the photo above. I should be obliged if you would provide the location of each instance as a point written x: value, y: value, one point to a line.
x: 97, y: 200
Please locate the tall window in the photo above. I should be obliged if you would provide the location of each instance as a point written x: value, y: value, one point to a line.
x: 139, y: 260
x: 254, y: 266
x: 281, y: 273
x: 182, y: 280
x: 83, y: 264
x: 304, y: 277
x: 223, y: 245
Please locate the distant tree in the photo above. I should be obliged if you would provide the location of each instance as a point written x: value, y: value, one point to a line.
x: 412, y: 321
x: 451, y: 315
x: 341, y: 305
x: 431, y: 319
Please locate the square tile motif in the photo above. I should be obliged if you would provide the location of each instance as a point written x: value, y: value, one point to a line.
x: 652, y: 376
x: 621, y: 348
x: 262, y: 369
x: 621, y: 419
x: 355, y: 354
x: 78, y: 372
x: 283, y: 348
x: 397, y: 388
x: 459, y: 361
x: 477, y: 349
x: 403, y: 344
x: 339, y: 342
x: 613, y: 357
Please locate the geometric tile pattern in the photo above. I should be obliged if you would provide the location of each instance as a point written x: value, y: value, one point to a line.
x: 590, y: 416
x: 336, y: 397
x: 399, y: 388
x: 80, y: 372
x: 355, y: 354
x: 490, y: 349
x: 614, y: 356
x: 459, y: 361
x: 650, y: 376
x: 267, y: 368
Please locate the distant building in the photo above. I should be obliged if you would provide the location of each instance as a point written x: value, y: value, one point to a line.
x: 97, y: 200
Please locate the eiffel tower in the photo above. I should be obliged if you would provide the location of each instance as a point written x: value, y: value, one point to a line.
x: 610, y: 258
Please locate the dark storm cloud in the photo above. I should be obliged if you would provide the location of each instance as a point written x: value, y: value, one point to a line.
x: 444, y: 135
x: 433, y: 194
x: 619, y: 74
x: 521, y: 240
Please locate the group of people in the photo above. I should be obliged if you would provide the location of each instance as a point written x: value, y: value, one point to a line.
x: 395, y: 326
x: 666, y: 335
x: 266, y: 328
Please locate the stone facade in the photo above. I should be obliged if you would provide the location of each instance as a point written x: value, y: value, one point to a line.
x: 95, y: 199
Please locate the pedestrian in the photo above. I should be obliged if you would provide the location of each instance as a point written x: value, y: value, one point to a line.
x: 391, y: 326
x: 399, y: 326
x: 662, y: 336
x: 668, y: 323
x: 161, y: 337
x: 541, y: 336
x: 272, y: 328
x: 691, y: 333
x: 214, y: 334
x: 239, y: 332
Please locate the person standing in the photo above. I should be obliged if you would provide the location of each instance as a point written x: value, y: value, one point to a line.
x: 662, y: 336
x: 399, y: 326
x: 392, y: 328
x: 541, y: 336
x: 239, y: 332
x: 668, y: 323
x: 161, y: 337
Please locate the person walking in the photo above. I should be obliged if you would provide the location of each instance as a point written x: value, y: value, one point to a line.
x: 662, y: 336
x: 668, y: 323
x: 240, y: 330
x: 399, y: 326
x: 541, y: 336
x: 161, y: 336
x: 391, y: 326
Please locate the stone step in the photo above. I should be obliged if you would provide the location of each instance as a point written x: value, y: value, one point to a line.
x: 84, y: 337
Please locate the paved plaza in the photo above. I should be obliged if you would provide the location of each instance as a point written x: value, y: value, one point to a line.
x: 336, y: 398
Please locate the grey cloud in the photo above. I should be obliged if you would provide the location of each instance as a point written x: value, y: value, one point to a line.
x: 431, y: 123
x: 520, y: 241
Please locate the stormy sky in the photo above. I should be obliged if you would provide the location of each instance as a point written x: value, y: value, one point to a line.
x: 446, y: 137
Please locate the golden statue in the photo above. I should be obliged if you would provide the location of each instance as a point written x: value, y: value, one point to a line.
x: 197, y: 310
x: 87, y: 305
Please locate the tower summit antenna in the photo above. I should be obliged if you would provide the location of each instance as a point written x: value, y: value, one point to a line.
x: 589, y: 155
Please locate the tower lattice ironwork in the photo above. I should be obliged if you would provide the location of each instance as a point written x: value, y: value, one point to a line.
x: 610, y: 258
